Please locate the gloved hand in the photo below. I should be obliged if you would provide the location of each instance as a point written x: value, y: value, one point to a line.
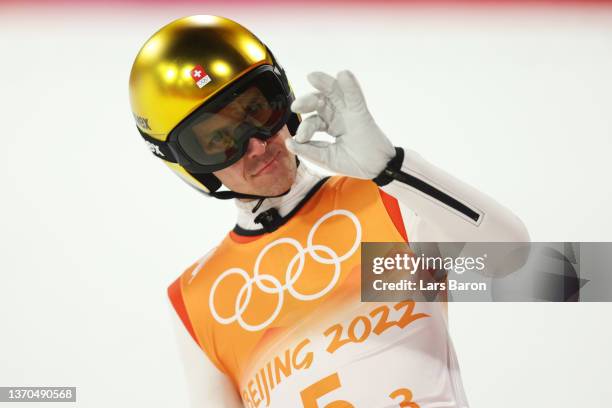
x: 360, y: 149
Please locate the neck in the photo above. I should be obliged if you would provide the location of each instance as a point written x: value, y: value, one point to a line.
x: 304, y: 181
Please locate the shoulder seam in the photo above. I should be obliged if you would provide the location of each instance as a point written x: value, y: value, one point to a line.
x: 175, y: 294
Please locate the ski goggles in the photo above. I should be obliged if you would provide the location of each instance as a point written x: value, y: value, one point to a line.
x: 217, y: 134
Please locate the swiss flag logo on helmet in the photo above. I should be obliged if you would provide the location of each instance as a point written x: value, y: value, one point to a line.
x: 200, y: 76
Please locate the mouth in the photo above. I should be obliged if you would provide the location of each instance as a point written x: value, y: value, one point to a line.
x: 266, y: 165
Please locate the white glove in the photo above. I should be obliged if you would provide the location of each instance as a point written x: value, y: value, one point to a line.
x: 361, y: 149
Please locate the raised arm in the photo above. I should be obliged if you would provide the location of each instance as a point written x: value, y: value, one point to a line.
x: 360, y: 149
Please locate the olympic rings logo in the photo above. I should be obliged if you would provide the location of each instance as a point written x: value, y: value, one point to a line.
x: 273, y: 286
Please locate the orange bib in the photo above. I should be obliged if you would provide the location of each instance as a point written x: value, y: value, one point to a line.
x: 267, y: 309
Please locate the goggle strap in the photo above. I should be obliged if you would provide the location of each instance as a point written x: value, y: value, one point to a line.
x: 158, y: 148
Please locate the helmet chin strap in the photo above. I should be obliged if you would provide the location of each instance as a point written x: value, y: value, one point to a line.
x: 269, y: 219
x: 226, y: 195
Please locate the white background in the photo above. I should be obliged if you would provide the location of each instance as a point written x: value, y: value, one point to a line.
x: 93, y: 228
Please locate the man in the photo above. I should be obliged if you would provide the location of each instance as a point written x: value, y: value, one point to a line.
x: 272, y: 316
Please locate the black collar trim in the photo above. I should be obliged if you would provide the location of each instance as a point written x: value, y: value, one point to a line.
x: 283, y: 220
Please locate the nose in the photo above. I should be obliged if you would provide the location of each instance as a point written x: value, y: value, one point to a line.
x: 256, y: 147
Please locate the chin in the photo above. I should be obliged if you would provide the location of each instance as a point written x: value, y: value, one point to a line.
x: 278, y: 182
x: 275, y: 187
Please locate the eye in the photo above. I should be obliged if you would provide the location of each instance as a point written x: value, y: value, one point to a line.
x: 254, y: 108
x: 217, y: 137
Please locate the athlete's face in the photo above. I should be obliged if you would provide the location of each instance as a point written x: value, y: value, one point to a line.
x: 266, y: 169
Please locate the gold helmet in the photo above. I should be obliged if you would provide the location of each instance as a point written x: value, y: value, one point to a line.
x: 200, y: 88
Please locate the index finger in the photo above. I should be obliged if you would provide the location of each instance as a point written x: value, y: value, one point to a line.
x: 328, y: 86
